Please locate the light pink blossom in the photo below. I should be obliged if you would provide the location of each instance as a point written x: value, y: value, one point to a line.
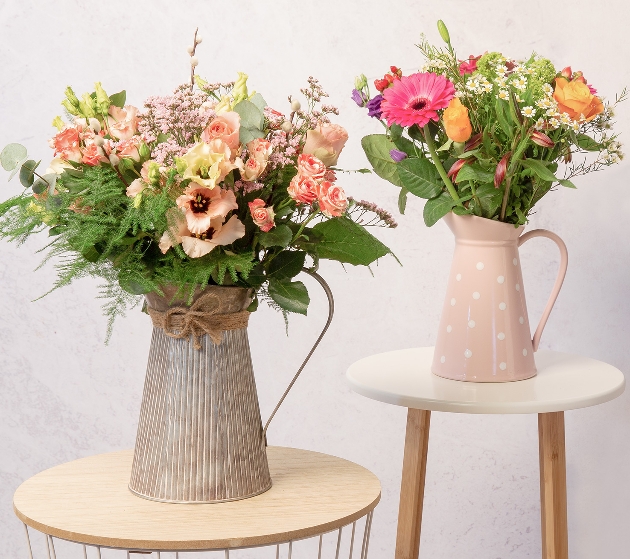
x: 122, y: 123
x: 263, y: 216
x: 224, y: 127
x: 303, y: 189
x: 66, y: 144
x: 332, y: 199
x: 326, y: 142
x: 201, y: 205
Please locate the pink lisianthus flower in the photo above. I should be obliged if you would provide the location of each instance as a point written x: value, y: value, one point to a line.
x: 303, y: 189
x: 122, y: 123
x: 201, y: 205
x: 92, y: 155
x: 200, y: 244
x: 218, y: 146
x: 135, y: 188
x: 262, y: 215
x: 129, y: 148
x: 332, y: 199
x: 309, y: 165
x: 326, y: 143
x: 66, y: 144
x: 415, y: 99
x: 224, y: 127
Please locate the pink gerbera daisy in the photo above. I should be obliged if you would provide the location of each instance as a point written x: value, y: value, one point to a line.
x: 415, y: 99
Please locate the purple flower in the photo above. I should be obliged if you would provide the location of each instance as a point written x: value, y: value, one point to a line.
x: 397, y: 155
x: 374, y: 106
x: 359, y: 98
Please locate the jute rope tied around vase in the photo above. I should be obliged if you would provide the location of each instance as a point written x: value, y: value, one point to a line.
x: 202, y: 317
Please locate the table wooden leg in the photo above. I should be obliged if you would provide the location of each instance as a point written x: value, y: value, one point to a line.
x: 412, y: 485
x: 553, y: 486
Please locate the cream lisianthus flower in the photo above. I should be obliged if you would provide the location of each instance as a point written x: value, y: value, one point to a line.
x: 201, y: 205
x: 239, y: 91
x: 203, y: 165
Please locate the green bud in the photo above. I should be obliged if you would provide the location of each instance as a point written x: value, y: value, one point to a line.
x: 86, y: 106
x: 153, y: 172
x: 71, y: 97
x: 125, y: 164
x: 58, y: 123
x: 200, y: 82
x: 239, y: 92
x: 137, y: 200
x: 443, y: 32
x: 144, y: 150
x: 360, y: 82
x: 181, y: 165
x: 102, y: 99
x: 70, y: 107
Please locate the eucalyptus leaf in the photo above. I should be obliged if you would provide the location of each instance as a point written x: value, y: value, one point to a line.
x: 17, y: 168
x: 287, y: 264
x: 377, y: 148
x: 420, y: 177
x: 12, y: 155
x: 279, y: 236
x: 257, y: 99
x: 39, y: 186
x: 292, y: 296
x: 27, y: 176
x: 251, y: 115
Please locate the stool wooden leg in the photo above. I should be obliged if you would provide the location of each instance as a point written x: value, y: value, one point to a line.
x: 412, y: 485
x: 553, y: 486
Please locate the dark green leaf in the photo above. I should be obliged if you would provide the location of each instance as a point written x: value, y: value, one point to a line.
x: 345, y: 241
x: 118, y: 99
x: 436, y: 208
x: 161, y: 138
x: 12, y: 155
x: 39, y: 186
x: 287, y: 264
x: 587, y: 143
x: 253, y: 306
x: 490, y: 199
x: 402, y: 200
x: 474, y: 173
x: 420, y: 177
x: 567, y: 183
x: 91, y: 254
x: 540, y: 169
x: 415, y: 133
x: 395, y: 131
x: 501, y: 107
x: 57, y: 230
x: 292, y: 296
x: 377, y: 148
x: 27, y: 176
x: 279, y: 236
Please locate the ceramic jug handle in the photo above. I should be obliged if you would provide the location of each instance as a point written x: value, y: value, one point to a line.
x: 564, y: 261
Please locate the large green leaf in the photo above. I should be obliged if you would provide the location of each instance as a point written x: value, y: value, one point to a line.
x: 279, y: 236
x: 377, y: 148
x: 345, y: 241
x: 539, y: 169
x: 257, y: 99
x: 587, y: 143
x: 490, y: 199
x: 118, y: 99
x: 402, y: 200
x: 12, y: 155
x: 420, y: 177
x: 436, y: 208
x: 292, y: 296
x: 252, y: 121
x: 287, y: 264
x: 474, y: 173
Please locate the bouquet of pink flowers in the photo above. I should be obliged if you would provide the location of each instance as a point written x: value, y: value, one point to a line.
x: 485, y: 136
x: 209, y: 185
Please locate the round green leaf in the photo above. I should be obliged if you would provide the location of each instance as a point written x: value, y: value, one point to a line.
x: 27, y: 173
x: 12, y: 155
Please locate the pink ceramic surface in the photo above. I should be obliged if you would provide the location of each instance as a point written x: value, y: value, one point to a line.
x: 484, y: 333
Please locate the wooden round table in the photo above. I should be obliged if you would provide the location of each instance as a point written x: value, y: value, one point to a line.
x: 564, y: 382
x: 87, y: 501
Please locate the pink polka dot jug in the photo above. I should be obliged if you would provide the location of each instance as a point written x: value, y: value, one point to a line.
x: 484, y: 333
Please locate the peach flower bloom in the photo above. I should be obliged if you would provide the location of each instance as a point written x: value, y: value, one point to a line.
x: 129, y: 148
x: 332, y: 199
x: 218, y: 146
x: 66, y: 144
x: 575, y: 98
x: 92, y: 155
x: 456, y: 122
x: 260, y: 149
x: 326, y: 143
x: 224, y: 127
x: 262, y: 216
x: 201, y: 205
x: 311, y: 166
x: 135, y: 188
x: 197, y: 245
x: 251, y: 170
x: 122, y: 123
x: 303, y: 189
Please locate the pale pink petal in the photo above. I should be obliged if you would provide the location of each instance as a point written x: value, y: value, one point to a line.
x: 198, y: 223
x: 230, y: 231
x: 195, y: 248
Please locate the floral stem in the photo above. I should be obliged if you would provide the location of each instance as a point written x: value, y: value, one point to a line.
x: 303, y: 225
x: 438, y: 165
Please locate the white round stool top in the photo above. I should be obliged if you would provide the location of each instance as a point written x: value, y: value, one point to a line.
x: 564, y: 382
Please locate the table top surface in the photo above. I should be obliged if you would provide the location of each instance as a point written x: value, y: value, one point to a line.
x: 87, y: 501
x: 564, y: 382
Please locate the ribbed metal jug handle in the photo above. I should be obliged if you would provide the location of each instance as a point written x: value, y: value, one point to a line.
x: 331, y: 311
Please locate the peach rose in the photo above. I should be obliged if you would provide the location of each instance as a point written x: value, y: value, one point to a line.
x: 303, y: 189
x: 122, y: 123
x: 326, y: 143
x: 225, y: 165
x: 260, y: 149
x: 575, y: 98
x: 251, y: 170
x: 311, y: 166
x: 332, y: 199
x: 66, y: 144
x: 456, y: 122
x: 224, y: 127
x: 262, y: 216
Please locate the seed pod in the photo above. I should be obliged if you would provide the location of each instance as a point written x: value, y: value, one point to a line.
x: 443, y: 32
x: 286, y: 126
x: 542, y: 139
x: 193, y: 61
x: 190, y: 50
x: 114, y: 159
x: 295, y: 105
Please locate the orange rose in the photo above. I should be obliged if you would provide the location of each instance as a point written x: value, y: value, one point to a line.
x: 575, y: 99
x: 456, y: 121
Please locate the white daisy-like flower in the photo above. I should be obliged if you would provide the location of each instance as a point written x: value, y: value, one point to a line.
x: 548, y: 89
x: 528, y: 71
x: 540, y: 124
x: 544, y: 103
x: 501, y: 69
x: 518, y: 99
x: 553, y: 111
x: 501, y: 82
x: 503, y: 94
x: 575, y: 126
x: 472, y: 84
x: 518, y: 69
x: 529, y: 112
x: 520, y: 83
x: 554, y: 123
x: 565, y: 118
x: 486, y: 86
x: 459, y: 93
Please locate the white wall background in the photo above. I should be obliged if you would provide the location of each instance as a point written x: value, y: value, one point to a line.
x: 64, y: 394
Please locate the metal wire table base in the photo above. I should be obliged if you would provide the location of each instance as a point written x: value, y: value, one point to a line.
x: 335, y: 544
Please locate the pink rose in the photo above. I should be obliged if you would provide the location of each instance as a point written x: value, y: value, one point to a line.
x: 332, y: 199
x: 303, y: 189
x: 326, y: 143
x: 260, y: 149
x: 311, y: 166
x: 66, y: 144
x: 262, y: 216
x: 252, y: 169
x: 92, y: 155
x: 122, y: 123
x: 224, y: 127
x: 129, y: 148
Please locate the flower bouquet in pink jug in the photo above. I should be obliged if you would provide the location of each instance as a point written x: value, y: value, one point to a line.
x: 201, y: 203
x: 483, y: 140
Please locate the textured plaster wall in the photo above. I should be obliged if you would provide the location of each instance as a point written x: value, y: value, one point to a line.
x: 64, y: 394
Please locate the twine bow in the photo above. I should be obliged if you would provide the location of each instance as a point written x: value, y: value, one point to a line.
x: 201, y: 318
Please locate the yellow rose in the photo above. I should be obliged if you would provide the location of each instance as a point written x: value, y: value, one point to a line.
x: 456, y: 122
x: 575, y: 98
x: 203, y: 165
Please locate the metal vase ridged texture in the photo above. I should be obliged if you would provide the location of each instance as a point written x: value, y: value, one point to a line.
x: 200, y: 436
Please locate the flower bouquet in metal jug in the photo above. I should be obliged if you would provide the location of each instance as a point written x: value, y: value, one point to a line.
x: 204, y: 202
x: 483, y: 140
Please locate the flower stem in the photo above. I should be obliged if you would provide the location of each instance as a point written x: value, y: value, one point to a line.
x: 302, y: 226
x: 438, y: 165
